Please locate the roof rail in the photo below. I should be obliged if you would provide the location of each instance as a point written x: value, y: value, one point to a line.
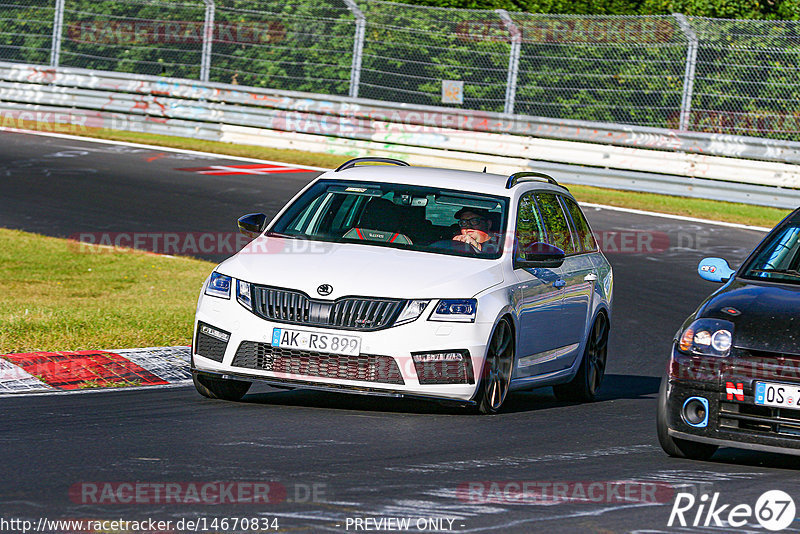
x: 531, y: 176
x: 355, y: 161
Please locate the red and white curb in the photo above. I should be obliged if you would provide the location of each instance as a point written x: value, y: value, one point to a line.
x: 252, y: 168
x: 37, y: 372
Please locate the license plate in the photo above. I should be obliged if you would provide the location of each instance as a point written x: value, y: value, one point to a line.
x: 778, y: 395
x: 314, y: 341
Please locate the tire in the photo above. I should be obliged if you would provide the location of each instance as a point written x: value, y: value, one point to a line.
x: 496, y: 374
x: 587, y: 381
x: 676, y: 447
x: 219, y: 388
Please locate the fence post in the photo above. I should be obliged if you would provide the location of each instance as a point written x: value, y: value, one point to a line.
x: 358, y: 47
x: 58, y: 28
x: 513, y: 60
x: 691, y: 64
x: 208, y: 39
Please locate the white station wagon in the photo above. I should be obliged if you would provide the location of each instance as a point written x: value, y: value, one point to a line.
x: 411, y: 282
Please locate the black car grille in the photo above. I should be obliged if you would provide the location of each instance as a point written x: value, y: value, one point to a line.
x: 445, y: 372
x: 750, y: 418
x: 364, y: 367
x: 745, y: 367
x: 346, y: 313
x: 209, y: 347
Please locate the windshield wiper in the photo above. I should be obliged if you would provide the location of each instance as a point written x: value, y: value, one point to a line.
x: 787, y: 272
x: 278, y: 234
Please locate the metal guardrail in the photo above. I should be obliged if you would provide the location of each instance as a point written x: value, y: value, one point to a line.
x: 332, y: 115
x: 626, y: 159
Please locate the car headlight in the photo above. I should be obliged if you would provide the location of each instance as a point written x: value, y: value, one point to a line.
x: 243, y: 294
x: 219, y: 285
x: 411, y: 311
x: 458, y: 310
x: 709, y: 337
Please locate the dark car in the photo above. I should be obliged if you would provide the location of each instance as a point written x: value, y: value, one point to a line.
x: 733, y: 379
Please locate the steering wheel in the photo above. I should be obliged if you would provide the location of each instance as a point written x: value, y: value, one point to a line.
x: 455, y: 246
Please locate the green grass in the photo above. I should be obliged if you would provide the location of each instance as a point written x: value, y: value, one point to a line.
x: 714, y: 210
x: 59, y: 296
x: 691, y: 207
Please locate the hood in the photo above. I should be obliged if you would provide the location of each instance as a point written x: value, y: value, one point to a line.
x: 360, y: 270
x: 770, y: 315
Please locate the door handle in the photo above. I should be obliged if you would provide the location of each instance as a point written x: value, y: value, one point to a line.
x: 591, y: 277
x: 559, y: 283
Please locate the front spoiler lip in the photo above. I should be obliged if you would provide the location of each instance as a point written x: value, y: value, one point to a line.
x: 734, y: 444
x: 353, y: 390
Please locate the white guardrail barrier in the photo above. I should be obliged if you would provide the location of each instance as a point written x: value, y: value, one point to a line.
x: 732, y: 168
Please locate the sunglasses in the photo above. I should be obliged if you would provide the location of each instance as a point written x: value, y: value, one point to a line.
x: 475, y: 221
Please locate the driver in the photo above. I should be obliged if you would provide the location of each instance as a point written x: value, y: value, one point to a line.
x: 476, y: 229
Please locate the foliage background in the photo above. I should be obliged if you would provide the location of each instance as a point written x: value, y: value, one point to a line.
x: 586, y: 64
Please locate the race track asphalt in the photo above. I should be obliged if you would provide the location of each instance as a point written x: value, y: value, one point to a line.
x: 367, y: 457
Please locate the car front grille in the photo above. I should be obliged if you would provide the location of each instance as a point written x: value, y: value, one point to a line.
x: 346, y: 313
x: 737, y: 416
x: 364, y: 367
x: 746, y: 367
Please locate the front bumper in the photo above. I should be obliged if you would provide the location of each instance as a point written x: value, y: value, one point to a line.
x: 734, y: 420
x: 385, y: 366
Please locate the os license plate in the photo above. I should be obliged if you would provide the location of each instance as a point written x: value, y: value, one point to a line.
x: 329, y: 343
x: 778, y: 395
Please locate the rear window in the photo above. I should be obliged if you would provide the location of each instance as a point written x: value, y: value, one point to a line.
x: 586, y: 240
x: 555, y: 222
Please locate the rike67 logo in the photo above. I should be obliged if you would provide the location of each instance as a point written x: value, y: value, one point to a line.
x: 774, y: 510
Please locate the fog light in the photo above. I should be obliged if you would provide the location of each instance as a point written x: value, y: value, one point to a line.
x: 695, y: 412
x: 441, y: 357
x: 210, y: 342
x: 444, y: 367
x: 213, y: 332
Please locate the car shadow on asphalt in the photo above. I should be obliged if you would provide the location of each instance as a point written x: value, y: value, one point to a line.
x: 743, y: 457
x: 614, y: 387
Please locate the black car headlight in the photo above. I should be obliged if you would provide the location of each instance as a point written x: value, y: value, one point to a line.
x: 455, y: 310
x: 707, y: 337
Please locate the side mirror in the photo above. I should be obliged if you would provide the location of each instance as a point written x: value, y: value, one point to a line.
x: 252, y: 224
x: 540, y: 255
x: 715, y: 270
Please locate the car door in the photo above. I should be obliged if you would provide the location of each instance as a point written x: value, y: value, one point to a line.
x: 579, y: 273
x: 537, y: 296
x: 566, y: 338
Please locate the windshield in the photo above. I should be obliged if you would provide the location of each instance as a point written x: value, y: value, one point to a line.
x: 779, y: 259
x: 407, y: 217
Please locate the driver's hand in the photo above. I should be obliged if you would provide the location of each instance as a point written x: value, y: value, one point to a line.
x: 468, y: 240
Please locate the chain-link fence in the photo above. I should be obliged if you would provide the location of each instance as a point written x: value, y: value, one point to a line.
x: 410, y: 50
x: 747, y: 77
x: 712, y: 75
x: 26, y: 31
